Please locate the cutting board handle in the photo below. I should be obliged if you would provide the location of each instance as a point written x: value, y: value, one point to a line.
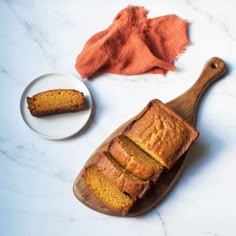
x: 185, y: 105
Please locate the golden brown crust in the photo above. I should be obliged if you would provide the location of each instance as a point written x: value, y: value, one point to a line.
x: 55, y: 101
x: 128, y: 183
x: 134, y: 159
x: 161, y: 133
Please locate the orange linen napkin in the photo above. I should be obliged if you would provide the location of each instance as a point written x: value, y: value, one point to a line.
x: 134, y: 44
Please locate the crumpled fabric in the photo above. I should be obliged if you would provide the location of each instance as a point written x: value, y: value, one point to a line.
x: 134, y: 44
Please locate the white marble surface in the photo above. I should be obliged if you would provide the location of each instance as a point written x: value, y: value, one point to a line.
x: 36, y: 175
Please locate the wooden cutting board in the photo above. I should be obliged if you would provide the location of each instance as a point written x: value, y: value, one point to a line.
x: 186, y: 106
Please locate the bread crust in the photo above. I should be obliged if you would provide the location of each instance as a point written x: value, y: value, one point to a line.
x: 161, y: 133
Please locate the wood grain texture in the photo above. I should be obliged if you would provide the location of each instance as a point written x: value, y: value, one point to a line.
x: 184, y: 105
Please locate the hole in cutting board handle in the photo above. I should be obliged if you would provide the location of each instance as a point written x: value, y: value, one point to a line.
x: 214, y: 65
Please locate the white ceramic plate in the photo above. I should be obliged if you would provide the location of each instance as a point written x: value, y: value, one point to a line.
x: 58, y: 126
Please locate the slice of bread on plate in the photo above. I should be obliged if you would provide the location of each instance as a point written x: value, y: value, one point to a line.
x: 55, y: 101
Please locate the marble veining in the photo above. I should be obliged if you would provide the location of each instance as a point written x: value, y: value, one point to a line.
x: 35, y: 33
x: 24, y: 156
x: 223, y: 26
x: 37, y: 175
x: 162, y: 223
x: 5, y: 75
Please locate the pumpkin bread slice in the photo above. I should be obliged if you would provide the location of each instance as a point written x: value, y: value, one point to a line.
x: 124, y: 180
x: 55, y: 101
x: 134, y: 159
x: 106, y: 191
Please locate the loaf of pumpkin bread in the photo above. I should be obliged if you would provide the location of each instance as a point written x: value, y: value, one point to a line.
x: 161, y: 133
x: 152, y: 141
